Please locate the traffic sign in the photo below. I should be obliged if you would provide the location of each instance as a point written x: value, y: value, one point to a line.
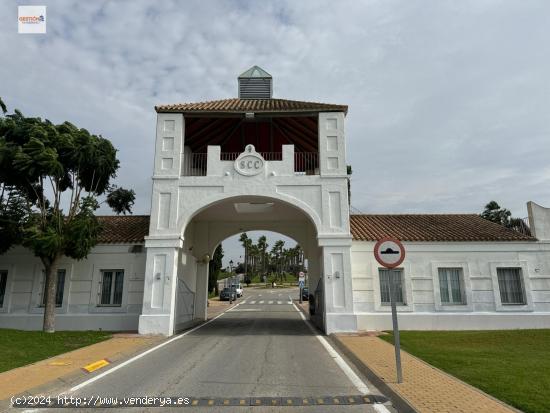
x: 301, y: 276
x: 389, y: 252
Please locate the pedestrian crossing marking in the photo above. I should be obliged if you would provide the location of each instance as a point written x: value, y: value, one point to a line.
x: 270, y: 302
x: 262, y: 301
x: 252, y: 302
x: 279, y: 302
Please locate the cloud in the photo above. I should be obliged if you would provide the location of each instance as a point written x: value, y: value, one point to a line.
x: 448, y: 100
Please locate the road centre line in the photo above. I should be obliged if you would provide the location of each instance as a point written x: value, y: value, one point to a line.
x: 354, y: 378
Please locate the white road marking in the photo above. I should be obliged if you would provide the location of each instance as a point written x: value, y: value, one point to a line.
x: 243, y: 310
x: 354, y: 378
x: 270, y: 302
x: 261, y: 302
x: 380, y: 408
x: 125, y: 363
x: 279, y: 302
x: 252, y: 302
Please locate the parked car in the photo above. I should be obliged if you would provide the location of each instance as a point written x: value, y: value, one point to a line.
x: 305, y: 294
x: 238, y: 288
x: 228, y: 294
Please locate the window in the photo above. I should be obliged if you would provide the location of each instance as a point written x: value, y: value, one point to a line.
x: 510, y: 286
x: 3, y: 282
x: 397, y: 276
x: 451, y: 286
x: 59, y: 289
x: 112, y: 282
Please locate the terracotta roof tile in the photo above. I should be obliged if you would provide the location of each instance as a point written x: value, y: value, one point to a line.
x: 252, y: 105
x: 425, y: 227
x: 431, y: 227
x: 123, y: 229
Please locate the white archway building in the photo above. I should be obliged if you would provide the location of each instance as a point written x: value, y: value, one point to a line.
x: 201, y: 198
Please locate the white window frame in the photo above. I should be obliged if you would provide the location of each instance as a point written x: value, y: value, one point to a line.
x: 95, y: 303
x: 36, y: 306
x: 466, y: 285
x: 522, y: 265
x: 10, y: 270
x: 407, y: 285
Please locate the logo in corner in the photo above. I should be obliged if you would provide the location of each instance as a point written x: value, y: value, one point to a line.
x: 31, y: 19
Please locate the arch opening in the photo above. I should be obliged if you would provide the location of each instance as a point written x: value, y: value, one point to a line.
x: 211, y: 225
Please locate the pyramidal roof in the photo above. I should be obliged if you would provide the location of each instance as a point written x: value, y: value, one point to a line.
x: 255, y: 71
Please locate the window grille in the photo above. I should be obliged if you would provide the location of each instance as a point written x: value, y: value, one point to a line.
x: 385, y: 286
x: 510, y: 286
x: 451, y: 281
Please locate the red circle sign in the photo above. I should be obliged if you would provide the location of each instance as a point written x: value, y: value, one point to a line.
x: 389, y: 252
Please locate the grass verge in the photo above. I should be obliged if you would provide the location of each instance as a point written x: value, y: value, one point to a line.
x: 19, y: 348
x: 511, y: 365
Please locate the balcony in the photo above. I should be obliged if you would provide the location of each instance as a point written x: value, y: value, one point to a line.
x: 217, y: 163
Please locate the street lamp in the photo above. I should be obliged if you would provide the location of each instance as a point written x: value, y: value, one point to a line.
x: 230, y: 281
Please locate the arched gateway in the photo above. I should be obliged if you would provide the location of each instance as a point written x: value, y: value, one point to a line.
x: 234, y: 165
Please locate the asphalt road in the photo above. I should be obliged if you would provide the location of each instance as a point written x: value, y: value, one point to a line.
x: 260, y: 348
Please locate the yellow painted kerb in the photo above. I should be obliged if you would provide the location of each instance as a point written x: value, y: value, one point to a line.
x: 96, y: 365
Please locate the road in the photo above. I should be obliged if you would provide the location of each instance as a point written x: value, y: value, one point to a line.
x: 260, y: 348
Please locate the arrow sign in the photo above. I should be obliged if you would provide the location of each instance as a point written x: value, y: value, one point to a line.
x: 389, y: 252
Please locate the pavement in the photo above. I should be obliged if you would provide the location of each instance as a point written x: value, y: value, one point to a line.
x: 67, y: 367
x: 424, y: 388
x: 261, y: 355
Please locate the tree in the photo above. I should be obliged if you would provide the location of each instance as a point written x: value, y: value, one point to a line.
x: 247, y: 242
x: 277, y: 253
x: 494, y: 213
x: 215, y: 265
x: 52, y: 178
x: 262, y: 246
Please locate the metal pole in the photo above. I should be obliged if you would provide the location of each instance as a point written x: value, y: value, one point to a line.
x: 396, y: 342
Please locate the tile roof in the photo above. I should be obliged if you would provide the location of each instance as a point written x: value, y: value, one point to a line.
x: 251, y: 105
x: 426, y: 227
x: 431, y: 227
x: 123, y: 229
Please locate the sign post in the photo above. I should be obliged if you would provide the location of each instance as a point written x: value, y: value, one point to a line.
x: 390, y: 253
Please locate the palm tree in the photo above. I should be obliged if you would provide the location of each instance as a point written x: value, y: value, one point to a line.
x: 262, y: 246
x: 277, y: 252
x: 246, y: 245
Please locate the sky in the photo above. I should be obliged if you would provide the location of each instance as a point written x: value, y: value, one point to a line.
x: 449, y: 101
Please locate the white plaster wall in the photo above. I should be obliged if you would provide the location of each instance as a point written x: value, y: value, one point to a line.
x: 323, y: 200
x: 80, y: 310
x: 479, y: 261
